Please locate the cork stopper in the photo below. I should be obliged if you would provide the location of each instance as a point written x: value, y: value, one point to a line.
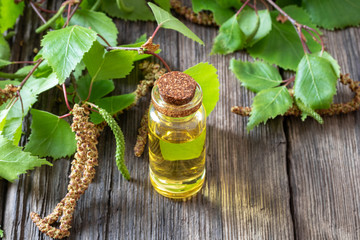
x: 176, y: 88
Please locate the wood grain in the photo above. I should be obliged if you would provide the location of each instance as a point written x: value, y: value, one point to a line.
x: 247, y: 193
x: 325, y: 159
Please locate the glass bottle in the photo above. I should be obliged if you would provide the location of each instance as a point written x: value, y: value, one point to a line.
x: 177, y: 132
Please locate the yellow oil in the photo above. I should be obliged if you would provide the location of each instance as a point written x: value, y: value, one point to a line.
x: 177, y: 162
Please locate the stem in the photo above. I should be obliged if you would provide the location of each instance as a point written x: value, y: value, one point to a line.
x: 156, y: 30
x: 121, y: 5
x: 21, y: 101
x: 301, y: 36
x: 66, y: 115
x: 30, y: 73
x: 250, y: 5
x: 44, y: 10
x: 41, y: 1
x: 37, y: 12
x: 267, y: 6
x: 104, y: 40
x: 288, y: 81
x: 282, y: 12
x: 96, y: 5
x: 68, y: 16
x: 21, y: 62
x: 11, y: 75
x: 92, y: 105
x: 242, y: 7
x: 52, y: 20
x: 160, y: 58
x: 298, y: 27
x: 146, y: 52
x: 311, y: 31
x: 90, y: 89
x: 72, y: 13
x: 123, y: 48
x: 90, y: 109
x: 65, y: 96
x: 12, y: 102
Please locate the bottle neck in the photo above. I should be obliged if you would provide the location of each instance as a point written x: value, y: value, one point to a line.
x: 176, y: 111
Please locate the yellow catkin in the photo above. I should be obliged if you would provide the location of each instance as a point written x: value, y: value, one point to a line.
x: 82, y: 173
x: 151, y: 72
x: 142, y: 135
x: 201, y: 18
x: 7, y: 93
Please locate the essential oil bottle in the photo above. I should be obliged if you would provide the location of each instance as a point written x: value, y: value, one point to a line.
x: 177, y: 132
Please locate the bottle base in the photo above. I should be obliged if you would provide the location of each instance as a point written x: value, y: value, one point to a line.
x: 179, y: 190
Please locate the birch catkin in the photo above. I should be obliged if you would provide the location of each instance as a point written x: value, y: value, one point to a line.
x: 82, y: 173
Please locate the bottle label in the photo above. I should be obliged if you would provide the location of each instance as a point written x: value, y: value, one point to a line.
x: 183, y: 151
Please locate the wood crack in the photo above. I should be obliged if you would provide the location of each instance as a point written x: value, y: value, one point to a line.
x: 288, y: 171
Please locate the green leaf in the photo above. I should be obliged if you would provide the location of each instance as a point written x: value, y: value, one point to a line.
x: 78, y: 72
x: 113, y: 105
x: 59, y: 23
x: 141, y: 39
x: 50, y: 136
x: 315, y: 82
x: 256, y: 76
x: 308, y: 111
x: 98, y: 22
x: 332, y: 14
x: 166, y: 20
x: 3, y: 83
x: 139, y: 10
x: 87, y: 4
x: 221, y: 14
x: 264, y: 27
x: 13, y: 130
x: 269, y: 103
x: 164, y: 4
x: 104, y: 65
x: 184, y: 151
x: 282, y: 45
x: 205, y: 75
x: 64, y: 48
x: 229, y: 39
x: 23, y: 72
x: 14, y: 161
x: 43, y: 70
x: 4, y: 63
x: 9, y: 12
x: 333, y: 62
x: 120, y: 143
x: 230, y: 3
x: 28, y: 99
x: 3, y: 114
x: 39, y: 85
x: 249, y: 23
x: 14, y: 117
x: 4, y: 48
x: 101, y: 88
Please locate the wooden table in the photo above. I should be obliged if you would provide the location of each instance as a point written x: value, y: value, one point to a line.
x: 286, y: 180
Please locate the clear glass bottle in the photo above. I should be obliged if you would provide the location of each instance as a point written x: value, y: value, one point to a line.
x: 177, y: 132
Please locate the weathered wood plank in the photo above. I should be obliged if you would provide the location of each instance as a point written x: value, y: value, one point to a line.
x: 245, y: 196
x: 325, y: 159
